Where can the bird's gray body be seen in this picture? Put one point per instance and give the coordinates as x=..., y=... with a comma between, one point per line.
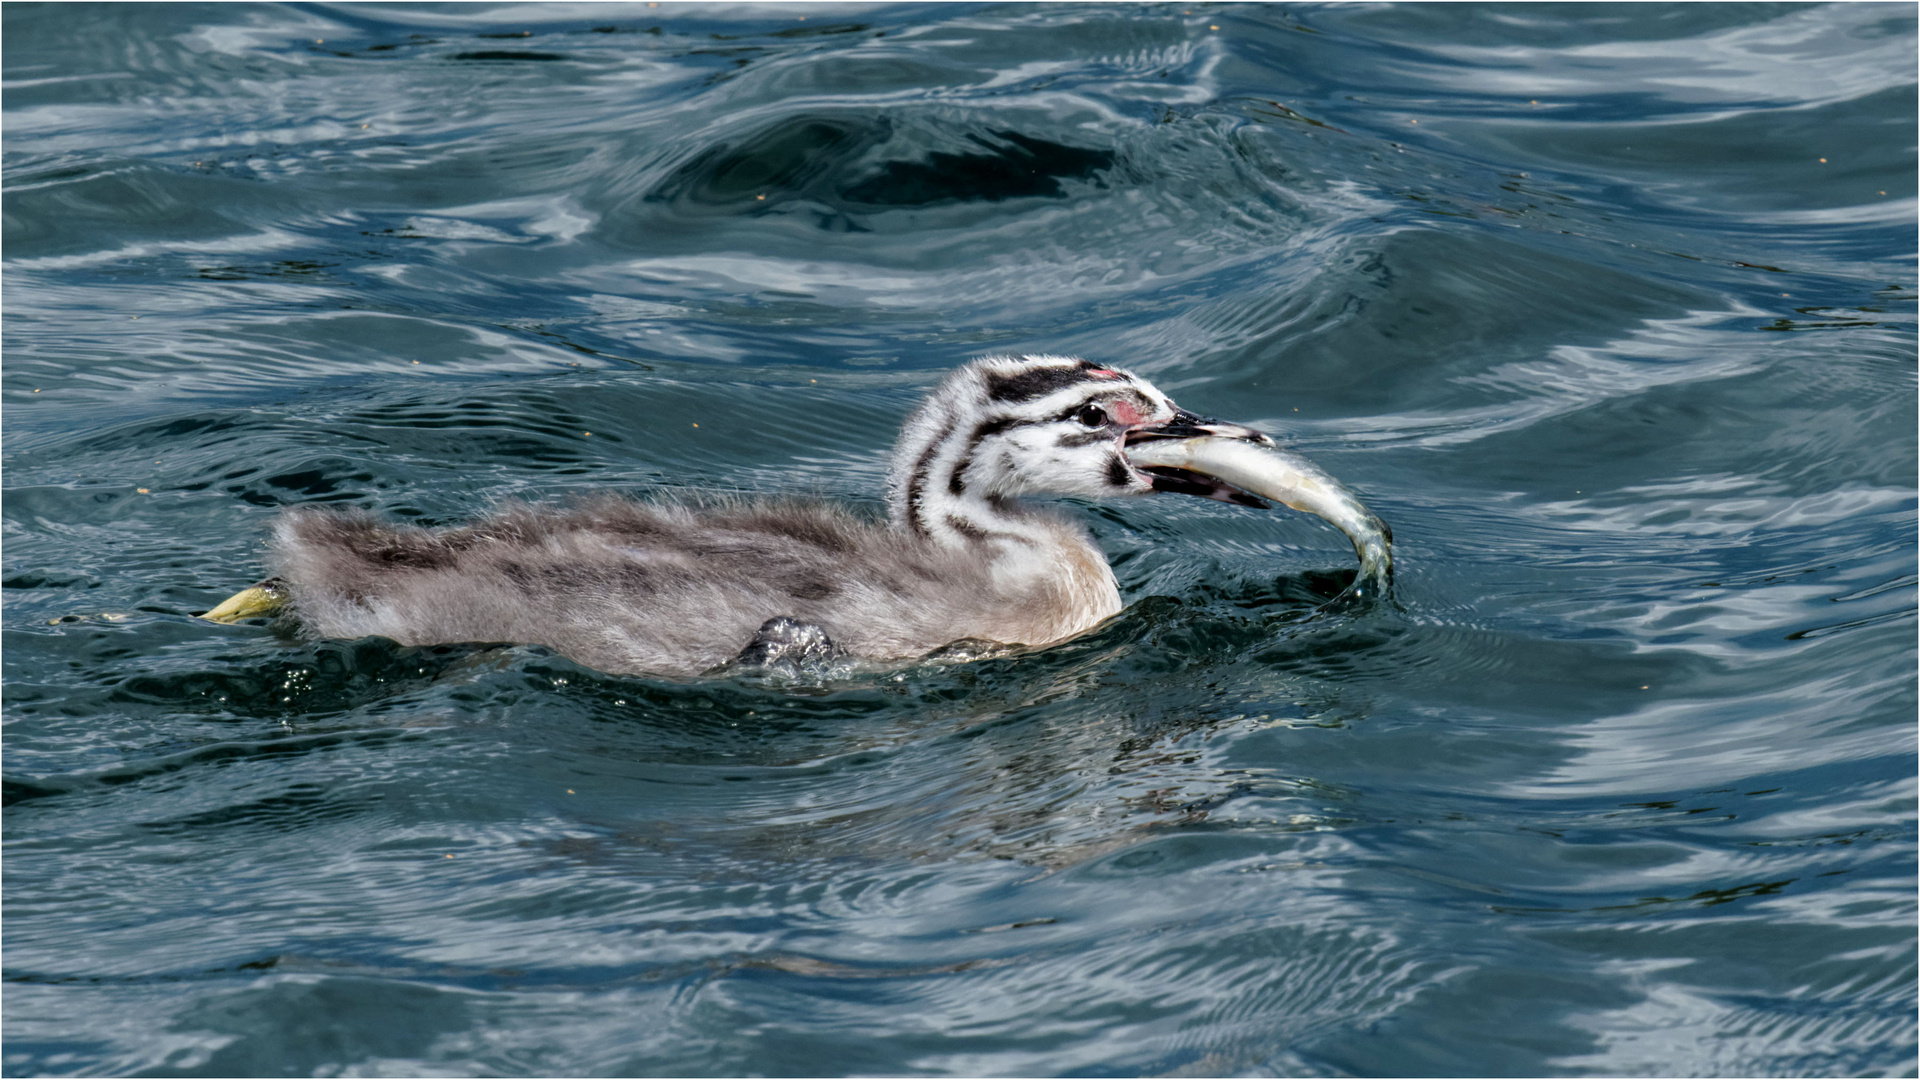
x=677, y=589
x=671, y=589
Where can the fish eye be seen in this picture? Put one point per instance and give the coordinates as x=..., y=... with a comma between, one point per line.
x=1092, y=416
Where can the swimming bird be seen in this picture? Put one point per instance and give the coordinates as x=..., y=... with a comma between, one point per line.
x=683, y=588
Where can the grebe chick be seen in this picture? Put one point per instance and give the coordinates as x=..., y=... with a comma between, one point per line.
x=679, y=589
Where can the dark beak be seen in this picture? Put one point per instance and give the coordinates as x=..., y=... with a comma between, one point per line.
x=1186, y=425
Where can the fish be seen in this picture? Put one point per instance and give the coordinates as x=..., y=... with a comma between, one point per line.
x=1269, y=472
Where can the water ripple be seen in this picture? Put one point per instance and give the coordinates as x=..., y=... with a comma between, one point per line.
x=1609, y=314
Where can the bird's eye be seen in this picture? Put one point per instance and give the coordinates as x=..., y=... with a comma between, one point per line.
x=1092, y=416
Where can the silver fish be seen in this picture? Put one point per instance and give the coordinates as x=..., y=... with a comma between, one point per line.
x=1272, y=473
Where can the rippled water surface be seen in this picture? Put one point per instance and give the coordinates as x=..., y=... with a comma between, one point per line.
x=1608, y=310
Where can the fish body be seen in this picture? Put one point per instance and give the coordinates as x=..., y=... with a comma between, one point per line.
x=1284, y=477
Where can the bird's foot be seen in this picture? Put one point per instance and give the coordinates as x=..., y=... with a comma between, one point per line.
x=786, y=645
x=966, y=651
x=265, y=598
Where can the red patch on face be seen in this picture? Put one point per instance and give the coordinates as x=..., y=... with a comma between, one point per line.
x=1127, y=413
x=1102, y=373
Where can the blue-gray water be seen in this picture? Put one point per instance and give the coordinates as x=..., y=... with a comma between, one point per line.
x=1609, y=311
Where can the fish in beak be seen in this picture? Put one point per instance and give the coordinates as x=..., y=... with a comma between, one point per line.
x=1181, y=480
x=1191, y=455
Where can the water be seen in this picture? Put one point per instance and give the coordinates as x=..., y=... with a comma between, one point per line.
x=1609, y=311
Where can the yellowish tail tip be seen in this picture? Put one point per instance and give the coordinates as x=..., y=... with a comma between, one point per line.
x=264, y=599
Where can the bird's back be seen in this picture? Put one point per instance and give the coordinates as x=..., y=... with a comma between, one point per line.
x=670, y=589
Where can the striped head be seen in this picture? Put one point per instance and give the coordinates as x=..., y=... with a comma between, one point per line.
x=1004, y=427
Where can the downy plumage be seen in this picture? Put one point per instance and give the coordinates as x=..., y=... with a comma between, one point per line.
x=678, y=589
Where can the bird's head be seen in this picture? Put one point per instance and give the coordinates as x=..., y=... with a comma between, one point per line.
x=1004, y=427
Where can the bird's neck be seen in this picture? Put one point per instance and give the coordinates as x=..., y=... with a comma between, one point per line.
x=1023, y=546
x=935, y=493
x=1029, y=551
x=962, y=521
x=929, y=491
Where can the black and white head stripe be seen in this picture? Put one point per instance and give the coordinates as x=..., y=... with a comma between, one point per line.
x=1035, y=377
x=1007, y=426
